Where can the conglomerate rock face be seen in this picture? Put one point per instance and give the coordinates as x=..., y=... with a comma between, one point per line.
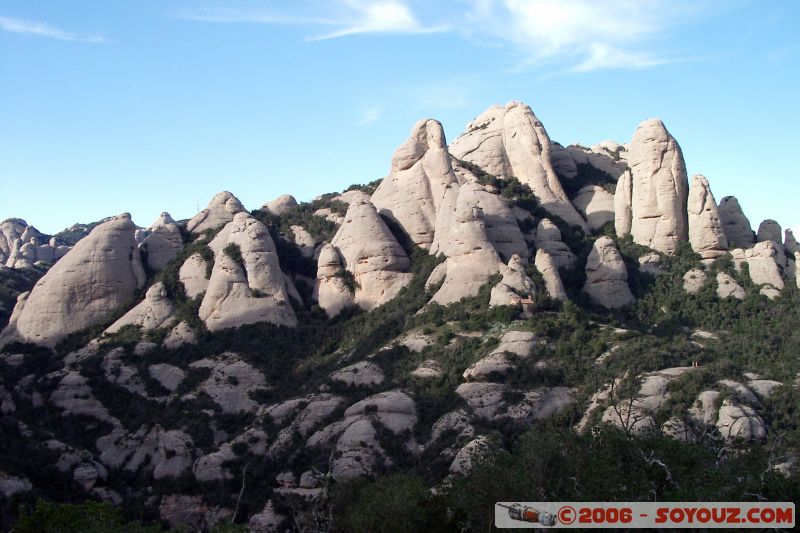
x=706, y=234
x=606, y=275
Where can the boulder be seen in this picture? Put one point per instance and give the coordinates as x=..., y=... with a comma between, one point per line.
x=370, y=252
x=706, y=234
x=179, y=335
x=548, y=238
x=790, y=243
x=769, y=230
x=510, y=141
x=739, y=421
x=606, y=275
x=427, y=369
x=154, y=312
x=247, y=292
x=485, y=399
x=413, y=191
x=74, y=396
x=519, y=343
x=515, y=286
x=762, y=263
x=231, y=382
x=470, y=455
x=193, y=275
x=280, y=205
x=548, y=268
x=596, y=205
x=471, y=258
x=660, y=188
x=169, y=376
x=694, y=280
x=728, y=288
x=304, y=240
x=737, y=228
x=163, y=243
x=220, y=211
x=359, y=374
x=97, y=277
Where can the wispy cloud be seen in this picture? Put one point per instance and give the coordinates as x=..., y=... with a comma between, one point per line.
x=586, y=35
x=370, y=115
x=346, y=17
x=41, y=29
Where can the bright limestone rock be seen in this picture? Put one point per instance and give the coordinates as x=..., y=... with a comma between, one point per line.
x=515, y=285
x=737, y=227
x=163, y=243
x=606, y=275
x=510, y=141
x=220, y=210
x=694, y=280
x=193, y=275
x=281, y=204
x=99, y=275
x=548, y=268
x=660, y=188
x=471, y=258
x=596, y=205
x=623, y=204
x=154, y=312
x=253, y=291
x=331, y=291
x=706, y=234
x=762, y=262
x=548, y=238
x=413, y=191
x=728, y=288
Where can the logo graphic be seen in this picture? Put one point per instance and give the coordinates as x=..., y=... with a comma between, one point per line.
x=522, y=513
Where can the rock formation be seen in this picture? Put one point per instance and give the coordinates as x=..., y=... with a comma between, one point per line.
x=706, y=234
x=728, y=288
x=548, y=238
x=371, y=254
x=737, y=227
x=253, y=290
x=548, y=268
x=220, y=211
x=331, y=290
x=789, y=242
x=762, y=263
x=515, y=285
x=659, y=189
x=562, y=161
x=596, y=205
x=510, y=141
x=163, y=243
x=769, y=230
x=155, y=311
x=471, y=258
x=694, y=280
x=606, y=275
x=623, y=202
x=607, y=156
x=280, y=205
x=194, y=275
x=99, y=275
x=412, y=193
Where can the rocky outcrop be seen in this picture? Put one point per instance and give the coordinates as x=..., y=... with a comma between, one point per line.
x=97, y=277
x=769, y=230
x=728, y=288
x=247, y=284
x=231, y=382
x=548, y=238
x=510, y=141
x=659, y=189
x=694, y=280
x=179, y=335
x=548, y=268
x=596, y=205
x=790, y=242
x=363, y=373
x=735, y=224
x=280, y=205
x=762, y=263
x=413, y=191
x=706, y=234
x=562, y=161
x=518, y=343
x=194, y=275
x=607, y=156
x=331, y=290
x=304, y=240
x=623, y=204
x=606, y=275
x=515, y=286
x=219, y=212
x=154, y=312
x=369, y=252
x=471, y=258
x=163, y=243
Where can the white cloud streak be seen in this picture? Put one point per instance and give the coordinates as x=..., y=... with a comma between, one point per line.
x=370, y=115
x=40, y=29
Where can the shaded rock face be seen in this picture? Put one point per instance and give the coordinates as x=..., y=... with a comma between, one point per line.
x=510, y=141
x=790, y=242
x=607, y=156
x=769, y=230
x=220, y=210
x=735, y=224
x=99, y=275
x=596, y=205
x=471, y=258
x=163, y=243
x=548, y=268
x=606, y=275
x=367, y=249
x=155, y=311
x=706, y=234
x=413, y=191
x=728, y=288
x=254, y=291
x=562, y=161
x=281, y=204
x=231, y=382
x=659, y=189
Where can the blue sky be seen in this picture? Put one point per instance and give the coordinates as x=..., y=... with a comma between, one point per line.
x=112, y=106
